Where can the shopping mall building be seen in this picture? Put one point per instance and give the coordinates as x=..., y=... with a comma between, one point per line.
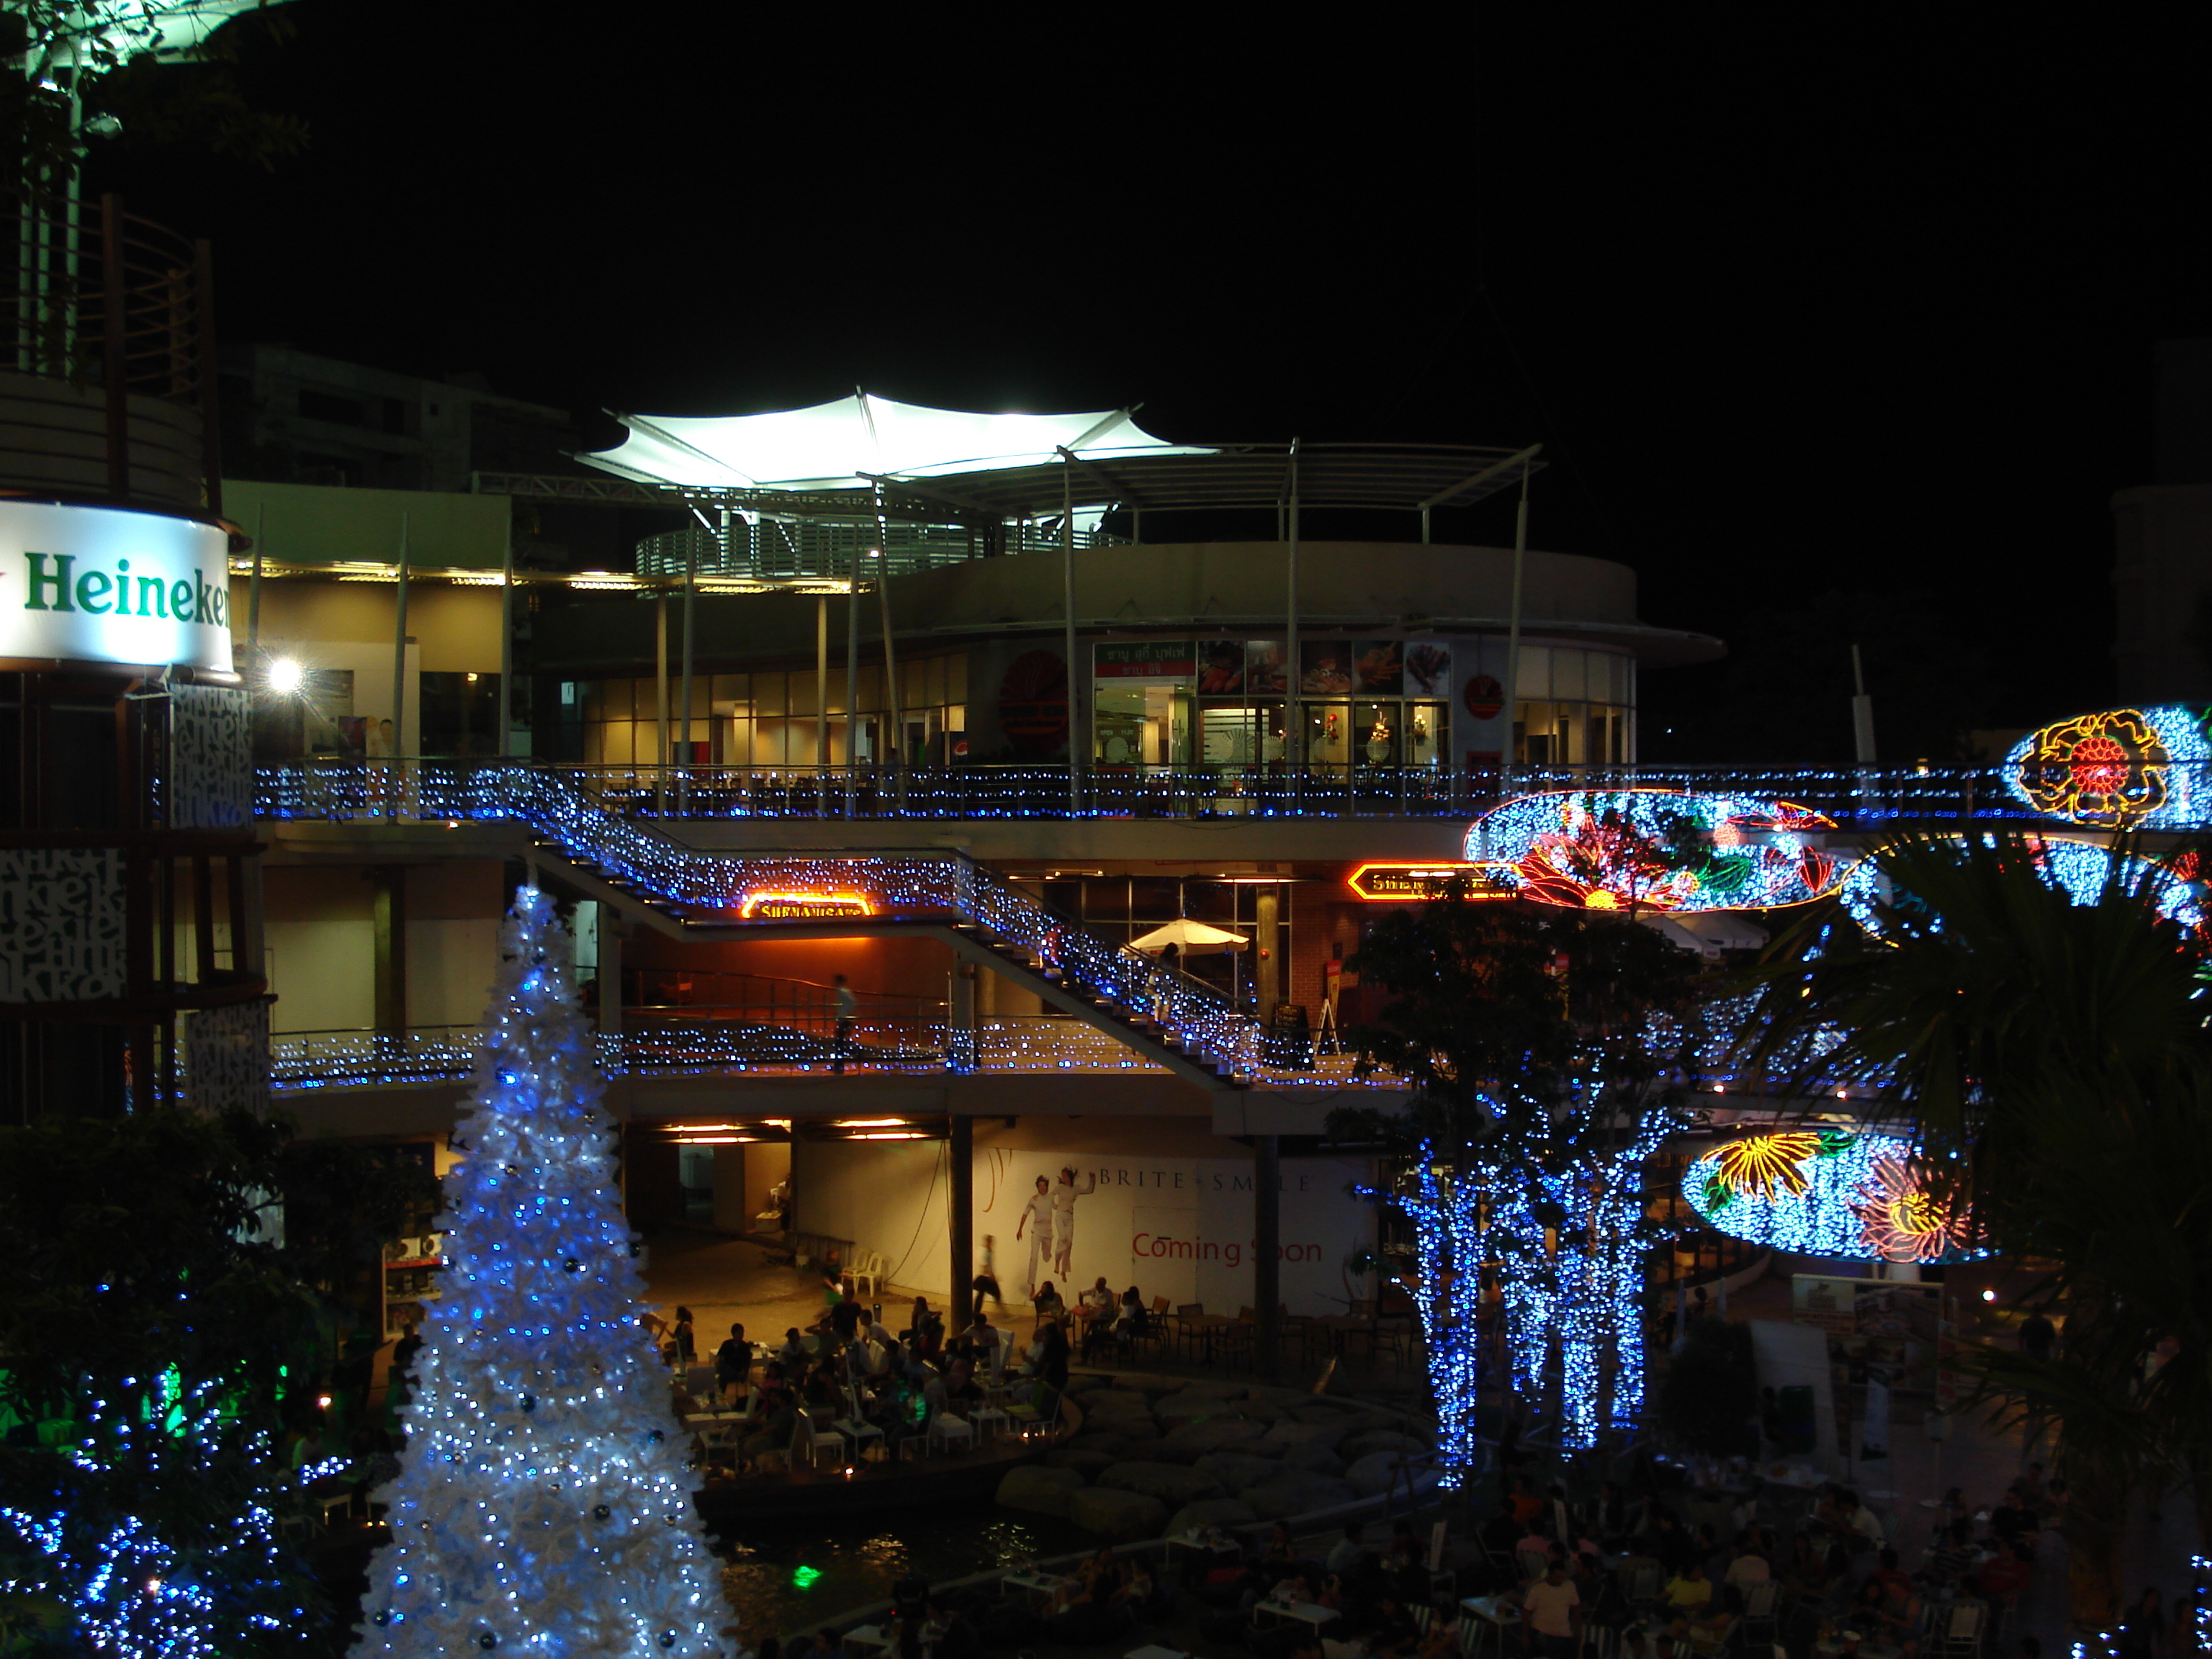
x=956, y=706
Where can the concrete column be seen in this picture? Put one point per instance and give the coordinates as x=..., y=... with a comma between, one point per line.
x=390, y=968
x=961, y=1208
x=1268, y=962
x=611, y=970
x=1267, y=1254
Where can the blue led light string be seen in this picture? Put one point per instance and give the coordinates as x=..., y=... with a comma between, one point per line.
x=1445, y=1209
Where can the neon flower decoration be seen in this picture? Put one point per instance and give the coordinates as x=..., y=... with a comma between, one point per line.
x=1657, y=850
x=2124, y=769
x=1859, y=1197
x=2083, y=870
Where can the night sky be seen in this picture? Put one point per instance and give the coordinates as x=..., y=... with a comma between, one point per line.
x=1833, y=327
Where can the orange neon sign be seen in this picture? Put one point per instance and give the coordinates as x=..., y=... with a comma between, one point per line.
x=1403, y=884
x=804, y=907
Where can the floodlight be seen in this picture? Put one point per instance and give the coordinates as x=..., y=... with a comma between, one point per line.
x=286, y=677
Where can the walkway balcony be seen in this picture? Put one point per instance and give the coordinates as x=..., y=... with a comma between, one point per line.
x=1856, y=797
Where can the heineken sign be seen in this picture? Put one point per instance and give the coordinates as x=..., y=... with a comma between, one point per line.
x=101, y=584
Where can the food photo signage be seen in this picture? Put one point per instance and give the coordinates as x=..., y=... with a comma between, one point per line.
x=100, y=584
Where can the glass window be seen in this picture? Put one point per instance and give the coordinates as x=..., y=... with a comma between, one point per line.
x=955, y=677
x=1106, y=899
x=731, y=688
x=1570, y=681
x=613, y=700
x=802, y=693
x=769, y=694
x=1427, y=740
x=1154, y=899
x=1327, y=728
x=738, y=741
x=1375, y=741
x=615, y=743
x=1535, y=671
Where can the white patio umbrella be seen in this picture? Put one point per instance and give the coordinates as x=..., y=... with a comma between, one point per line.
x=1189, y=937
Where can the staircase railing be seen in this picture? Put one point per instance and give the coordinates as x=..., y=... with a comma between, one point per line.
x=934, y=883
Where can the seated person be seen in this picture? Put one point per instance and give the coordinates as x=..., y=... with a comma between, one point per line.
x=1710, y=1632
x=1689, y=1591
x=1093, y=1585
x=2012, y=1520
x=2032, y=1492
x=1952, y=1556
x=1345, y=1550
x=1552, y=1613
x=794, y=1352
x=2006, y=1576
x=777, y=1425
x=1526, y=1505
x=1885, y=1571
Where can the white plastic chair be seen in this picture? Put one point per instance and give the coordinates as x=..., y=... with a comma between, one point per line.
x=948, y=1430
x=868, y=1273
x=856, y=1428
x=822, y=1440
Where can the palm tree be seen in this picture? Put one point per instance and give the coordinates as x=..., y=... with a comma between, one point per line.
x=2055, y=1060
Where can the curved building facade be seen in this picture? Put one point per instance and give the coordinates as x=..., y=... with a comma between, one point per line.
x=1183, y=659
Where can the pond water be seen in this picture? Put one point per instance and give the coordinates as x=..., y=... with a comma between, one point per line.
x=782, y=1578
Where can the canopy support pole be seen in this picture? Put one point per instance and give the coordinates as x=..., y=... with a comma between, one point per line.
x=822, y=687
x=660, y=699
x=1068, y=606
x=1513, y=629
x=1295, y=747
x=690, y=593
x=506, y=639
x=400, y=659
x=852, y=674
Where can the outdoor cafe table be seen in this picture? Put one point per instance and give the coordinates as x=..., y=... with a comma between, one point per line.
x=1306, y=1613
x=1497, y=1614
x=1041, y=1584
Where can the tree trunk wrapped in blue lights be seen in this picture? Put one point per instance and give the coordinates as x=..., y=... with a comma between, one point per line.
x=1549, y=1052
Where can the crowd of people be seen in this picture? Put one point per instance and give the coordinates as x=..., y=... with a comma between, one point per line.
x=850, y=1366
x=1836, y=1577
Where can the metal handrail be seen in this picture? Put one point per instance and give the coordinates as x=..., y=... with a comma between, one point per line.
x=935, y=883
x=1863, y=797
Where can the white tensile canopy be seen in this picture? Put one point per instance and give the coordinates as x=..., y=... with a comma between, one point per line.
x=839, y=444
x=1189, y=937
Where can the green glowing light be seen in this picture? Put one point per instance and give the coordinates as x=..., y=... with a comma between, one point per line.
x=804, y=1577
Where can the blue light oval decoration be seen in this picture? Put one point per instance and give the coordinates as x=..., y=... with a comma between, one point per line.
x=2121, y=768
x=2082, y=870
x=1657, y=850
x=1829, y=1192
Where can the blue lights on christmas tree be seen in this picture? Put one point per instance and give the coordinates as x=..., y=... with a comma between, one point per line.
x=543, y=1505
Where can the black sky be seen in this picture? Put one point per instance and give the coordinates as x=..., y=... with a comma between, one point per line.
x=1799, y=303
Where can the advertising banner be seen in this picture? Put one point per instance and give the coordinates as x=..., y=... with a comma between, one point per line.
x=1180, y=1228
x=101, y=584
x=1146, y=659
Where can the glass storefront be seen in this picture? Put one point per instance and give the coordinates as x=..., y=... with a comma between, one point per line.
x=1576, y=708
x=767, y=718
x=1224, y=703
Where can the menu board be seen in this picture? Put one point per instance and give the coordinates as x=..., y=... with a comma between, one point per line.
x=1146, y=659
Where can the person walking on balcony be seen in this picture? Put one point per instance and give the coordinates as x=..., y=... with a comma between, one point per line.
x=1063, y=1216
x=1036, y=1220
x=848, y=1007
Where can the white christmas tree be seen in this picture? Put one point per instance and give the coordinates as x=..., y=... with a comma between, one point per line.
x=542, y=1506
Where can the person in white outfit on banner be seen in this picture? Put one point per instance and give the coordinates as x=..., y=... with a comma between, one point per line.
x=1036, y=1219
x=1063, y=1216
